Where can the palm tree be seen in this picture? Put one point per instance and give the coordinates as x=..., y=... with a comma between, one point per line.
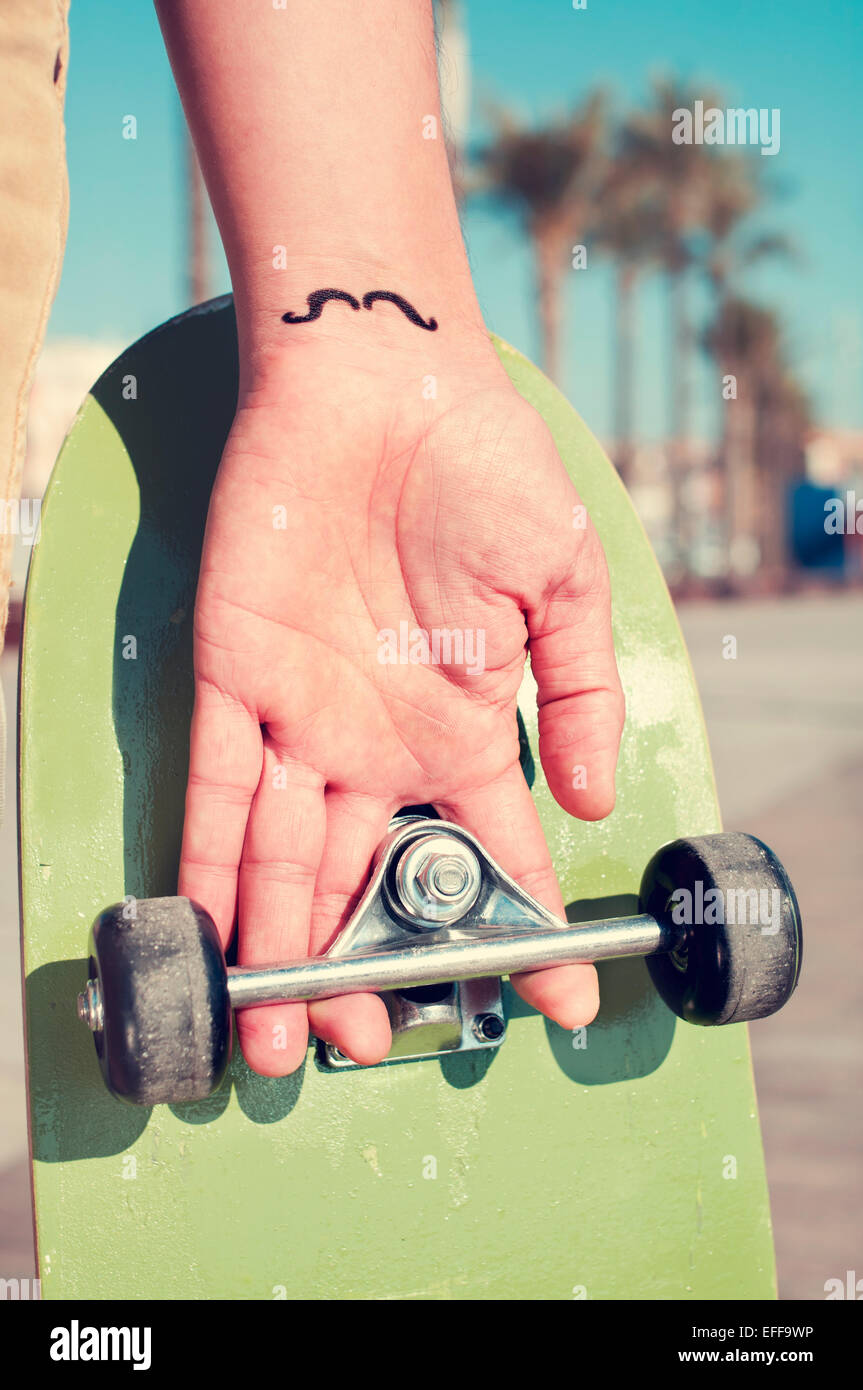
x=629, y=228
x=550, y=177
x=746, y=342
x=737, y=189
x=784, y=421
x=683, y=174
x=766, y=421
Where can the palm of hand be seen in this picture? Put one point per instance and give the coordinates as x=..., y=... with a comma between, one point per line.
x=367, y=590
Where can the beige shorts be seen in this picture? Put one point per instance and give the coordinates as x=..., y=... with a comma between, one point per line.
x=34, y=203
x=34, y=210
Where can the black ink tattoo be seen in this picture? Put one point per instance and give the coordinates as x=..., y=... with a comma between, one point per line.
x=407, y=309
x=316, y=301
x=318, y=298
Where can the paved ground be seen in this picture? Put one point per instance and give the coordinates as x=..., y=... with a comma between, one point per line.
x=786, y=725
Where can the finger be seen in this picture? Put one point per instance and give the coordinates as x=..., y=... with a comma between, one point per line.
x=504, y=819
x=224, y=768
x=284, y=840
x=580, y=699
x=357, y=1024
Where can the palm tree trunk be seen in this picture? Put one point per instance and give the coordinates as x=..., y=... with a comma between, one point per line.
x=771, y=454
x=549, y=275
x=624, y=369
x=680, y=344
x=740, y=481
x=681, y=339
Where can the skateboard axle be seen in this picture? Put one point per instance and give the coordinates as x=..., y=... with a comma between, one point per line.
x=488, y=952
x=450, y=956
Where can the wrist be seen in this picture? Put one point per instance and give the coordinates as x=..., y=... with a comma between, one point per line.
x=318, y=315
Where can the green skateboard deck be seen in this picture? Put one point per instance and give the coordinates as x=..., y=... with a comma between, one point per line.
x=623, y=1162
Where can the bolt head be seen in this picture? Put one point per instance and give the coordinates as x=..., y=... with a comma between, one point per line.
x=438, y=879
x=443, y=876
x=488, y=1027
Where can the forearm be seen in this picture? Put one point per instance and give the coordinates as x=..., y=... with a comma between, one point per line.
x=310, y=124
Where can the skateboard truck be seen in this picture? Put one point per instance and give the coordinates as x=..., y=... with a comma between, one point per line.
x=437, y=926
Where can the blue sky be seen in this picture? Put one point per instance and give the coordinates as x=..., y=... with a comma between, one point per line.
x=124, y=262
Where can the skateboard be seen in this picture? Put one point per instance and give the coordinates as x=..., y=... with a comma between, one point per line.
x=495, y=1155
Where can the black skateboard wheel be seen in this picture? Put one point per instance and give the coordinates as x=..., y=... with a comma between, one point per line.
x=743, y=945
x=166, y=1015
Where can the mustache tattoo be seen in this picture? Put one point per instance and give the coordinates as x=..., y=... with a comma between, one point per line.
x=407, y=309
x=318, y=298
x=316, y=301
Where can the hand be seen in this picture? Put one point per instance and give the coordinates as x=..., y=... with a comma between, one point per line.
x=345, y=505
